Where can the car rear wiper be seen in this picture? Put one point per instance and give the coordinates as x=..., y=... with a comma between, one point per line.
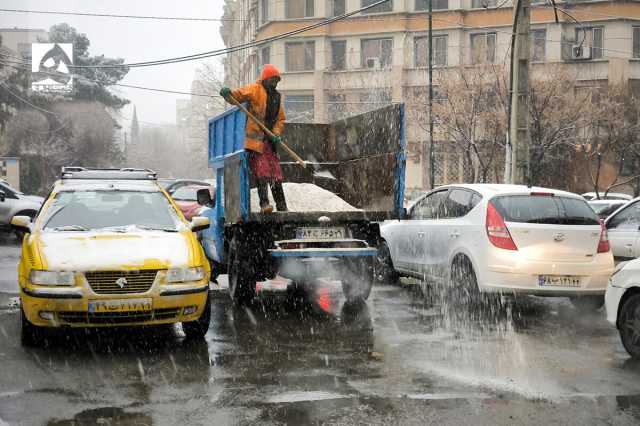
x=71, y=228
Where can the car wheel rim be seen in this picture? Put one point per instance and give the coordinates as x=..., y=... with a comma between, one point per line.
x=631, y=327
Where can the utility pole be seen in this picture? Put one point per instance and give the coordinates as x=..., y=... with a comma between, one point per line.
x=432, y=173
x=519, y=136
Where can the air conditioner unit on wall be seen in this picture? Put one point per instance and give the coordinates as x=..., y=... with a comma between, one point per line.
x=580, y=52
x=373, y=63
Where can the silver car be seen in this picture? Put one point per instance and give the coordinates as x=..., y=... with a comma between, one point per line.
x=15, y=203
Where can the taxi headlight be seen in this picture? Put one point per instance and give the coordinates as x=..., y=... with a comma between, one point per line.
x=179, y=275
x=52, y=278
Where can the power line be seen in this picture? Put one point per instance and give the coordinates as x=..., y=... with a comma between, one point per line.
x=26, y=102
x=232, y=49
x=109, y=15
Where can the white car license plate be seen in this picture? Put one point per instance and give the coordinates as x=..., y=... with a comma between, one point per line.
x=120, y=305
x=320, y=233
x=559, y=281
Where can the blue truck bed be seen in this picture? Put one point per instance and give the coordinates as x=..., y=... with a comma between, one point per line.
x=362, y=161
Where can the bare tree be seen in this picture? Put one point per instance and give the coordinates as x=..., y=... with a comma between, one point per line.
x=557, y=118
x=470, y=114
x=612, y=139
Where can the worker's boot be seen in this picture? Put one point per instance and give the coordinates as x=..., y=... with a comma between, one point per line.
x=278, y=196
x=263, y=196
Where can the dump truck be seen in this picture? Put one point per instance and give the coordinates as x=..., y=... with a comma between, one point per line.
x=356, y=165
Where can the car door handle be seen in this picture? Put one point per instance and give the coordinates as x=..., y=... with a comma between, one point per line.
x=454, y=234
x=420, y=234
x=629, y=245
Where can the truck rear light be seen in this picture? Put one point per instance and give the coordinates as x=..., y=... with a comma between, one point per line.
x=497, y=230
x=292, y=246
x=603, y=244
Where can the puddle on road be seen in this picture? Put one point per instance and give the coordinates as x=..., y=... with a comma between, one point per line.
x=304, y=396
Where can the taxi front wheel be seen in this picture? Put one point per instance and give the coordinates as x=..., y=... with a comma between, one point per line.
x=30, y=335
x=198, y=328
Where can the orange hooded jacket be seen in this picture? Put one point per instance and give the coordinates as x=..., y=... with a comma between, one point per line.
x=256, y=95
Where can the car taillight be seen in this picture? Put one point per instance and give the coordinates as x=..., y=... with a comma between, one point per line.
x=497, y=230
x=603, y=244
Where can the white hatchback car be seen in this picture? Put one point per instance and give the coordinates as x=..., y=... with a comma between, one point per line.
x=507, y=239
x=623, y=228
x=622, y=301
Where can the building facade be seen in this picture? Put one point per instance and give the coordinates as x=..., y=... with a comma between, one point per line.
x=380, y=56
x=19, y=40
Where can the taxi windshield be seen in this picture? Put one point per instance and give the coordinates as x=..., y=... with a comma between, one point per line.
x=110, y=210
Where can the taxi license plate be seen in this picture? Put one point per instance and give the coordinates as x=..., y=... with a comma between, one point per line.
x=120, y=305
x=559, y=281
x=320, y=233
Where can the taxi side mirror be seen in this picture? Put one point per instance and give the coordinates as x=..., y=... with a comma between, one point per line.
x=199, y=223
x=204, y=198
x=3, y=196
x=22, y=223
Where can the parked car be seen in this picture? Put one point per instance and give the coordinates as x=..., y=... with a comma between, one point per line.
x=623, y=304
x=609, y=196
x=186, y=198
x=109, y=249
x=506, y=239
x=623, y=228
x=604, y=208
x=15, y=203
x=179, y=183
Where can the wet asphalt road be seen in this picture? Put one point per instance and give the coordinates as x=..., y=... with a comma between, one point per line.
x=395, y=360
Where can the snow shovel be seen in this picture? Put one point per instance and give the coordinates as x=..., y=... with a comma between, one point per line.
x=268, y=132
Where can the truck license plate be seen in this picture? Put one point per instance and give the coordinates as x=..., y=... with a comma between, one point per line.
x=320, y=233
x=559, y=281
x=120, y=305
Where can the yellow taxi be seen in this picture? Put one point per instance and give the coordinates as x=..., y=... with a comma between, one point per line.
x=110, y=248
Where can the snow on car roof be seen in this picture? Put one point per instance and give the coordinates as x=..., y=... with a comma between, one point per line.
x=106, y=185
x=490, y=189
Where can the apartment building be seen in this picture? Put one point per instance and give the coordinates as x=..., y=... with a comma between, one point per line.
x=380, y=56
x=19, y=40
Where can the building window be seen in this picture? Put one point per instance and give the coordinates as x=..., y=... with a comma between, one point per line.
x=377, y=53
x=478, y=4
x=265, y=57
x=264, y=11
x=374, y=99
x=483, y=48
x=300, y=8
x=384, y=7
x=338, y=55
x=338, y=8
x=437, y=4
x=592, y=37
x=337, y=107
x=636, y=42
x=299, y=108
x=538, y=45
x=300, y=56
x=421, y=51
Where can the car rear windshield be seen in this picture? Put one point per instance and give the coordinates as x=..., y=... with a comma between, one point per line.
x=545, y=209
x=110, y=210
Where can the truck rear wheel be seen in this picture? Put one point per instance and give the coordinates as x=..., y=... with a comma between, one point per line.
x=357, y=279
x=242, y=283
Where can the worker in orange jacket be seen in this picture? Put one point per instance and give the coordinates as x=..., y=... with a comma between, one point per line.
x=265, y=104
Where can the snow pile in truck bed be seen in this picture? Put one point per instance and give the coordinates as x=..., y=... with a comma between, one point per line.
x=306, y=197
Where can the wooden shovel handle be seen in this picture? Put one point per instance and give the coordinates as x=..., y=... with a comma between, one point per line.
x=268, y=132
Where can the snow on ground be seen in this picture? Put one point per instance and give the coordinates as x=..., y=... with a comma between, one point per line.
x=306, y=197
